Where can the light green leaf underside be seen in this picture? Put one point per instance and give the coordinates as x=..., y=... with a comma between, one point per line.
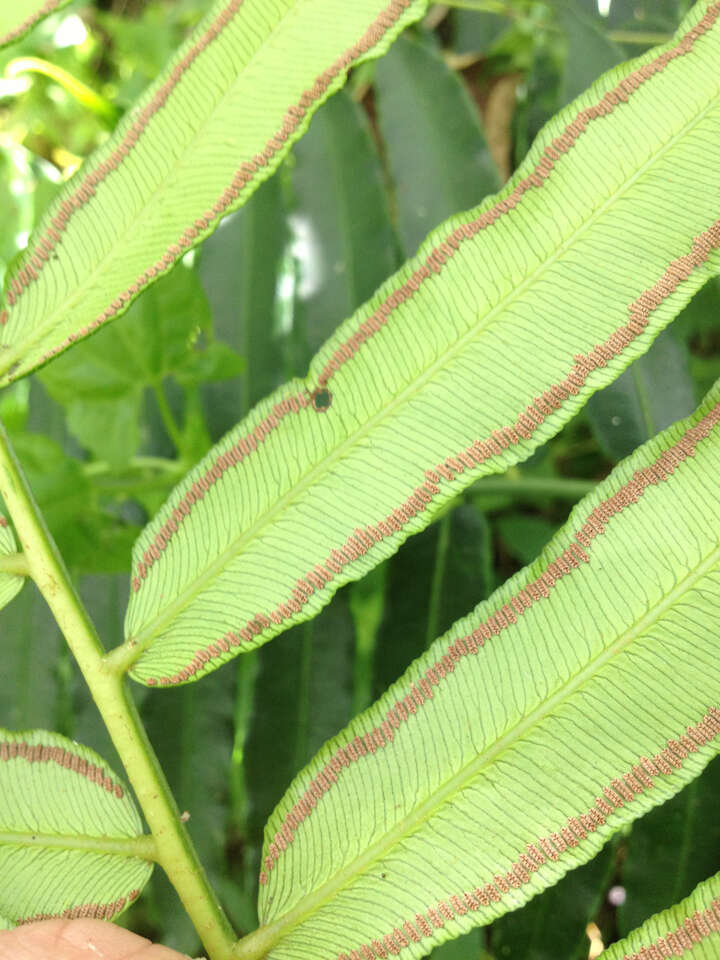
x=497, y=327
x=10, y=584
x=489, y=752
x=178, y=161
x=71, y=839
x=20, y=16
x=690, y=929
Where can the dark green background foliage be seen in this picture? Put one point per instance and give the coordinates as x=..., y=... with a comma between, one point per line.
x=106, y=431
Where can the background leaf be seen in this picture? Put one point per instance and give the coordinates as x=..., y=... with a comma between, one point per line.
x=655, y=391
x=343, y=245
x=437, y=155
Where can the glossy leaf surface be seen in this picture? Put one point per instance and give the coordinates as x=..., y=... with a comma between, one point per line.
x=70, y=835
x=563, y=707
x=463, y=363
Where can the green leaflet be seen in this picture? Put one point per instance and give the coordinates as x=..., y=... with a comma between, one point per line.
x=20, y=16
x=214, y=125
x=580, y=695
x=71, y=841
x=690, y=929
x=10, y=583
x=468, y=358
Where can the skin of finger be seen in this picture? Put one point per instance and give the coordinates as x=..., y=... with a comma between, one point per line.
x=79, y=940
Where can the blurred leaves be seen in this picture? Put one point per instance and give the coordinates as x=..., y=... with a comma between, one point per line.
x=167, y=332
x=436, y=151
x=343, y=243
x=655, y=391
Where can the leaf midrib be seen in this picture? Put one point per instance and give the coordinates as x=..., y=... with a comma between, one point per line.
x=409, y=824
x=140, y=847
x=145, y=636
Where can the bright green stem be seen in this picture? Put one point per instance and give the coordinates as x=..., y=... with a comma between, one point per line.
x=169, y=422
x=99, y=468
x=175, y=851
x=15, y=563
x=76, y=88
x=516, y=484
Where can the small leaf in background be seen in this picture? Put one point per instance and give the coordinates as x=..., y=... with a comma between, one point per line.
x=10, y=584
x=474, y=31
x=239, y=267
x=31, y=689
x=71, y=840
x=590, y=51
x=435, y=578
x=698, y=327
x=552, y=926
x=438, y=159
x=343, y=241
x=655, y=391
x=671, y=850
x=103, y=396
x=524, y=536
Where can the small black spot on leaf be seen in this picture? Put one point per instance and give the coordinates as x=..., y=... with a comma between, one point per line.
x=321, y=399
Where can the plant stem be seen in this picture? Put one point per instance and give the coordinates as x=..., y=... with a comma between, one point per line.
x=159, y=464
x=76, y=88
x=16, y=564
x=516, y=484
x=176, y=853
x=169, y=421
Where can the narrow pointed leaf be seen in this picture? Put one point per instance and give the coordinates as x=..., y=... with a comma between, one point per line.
x=341, y=219
x=581, y=694
x=239, y=269
x=690, y=929
x=438, y=158
x=213, y=126
x=20, y=16
x=71, y=842
x=10, y=583
x=651, y=394
x=464, y=362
